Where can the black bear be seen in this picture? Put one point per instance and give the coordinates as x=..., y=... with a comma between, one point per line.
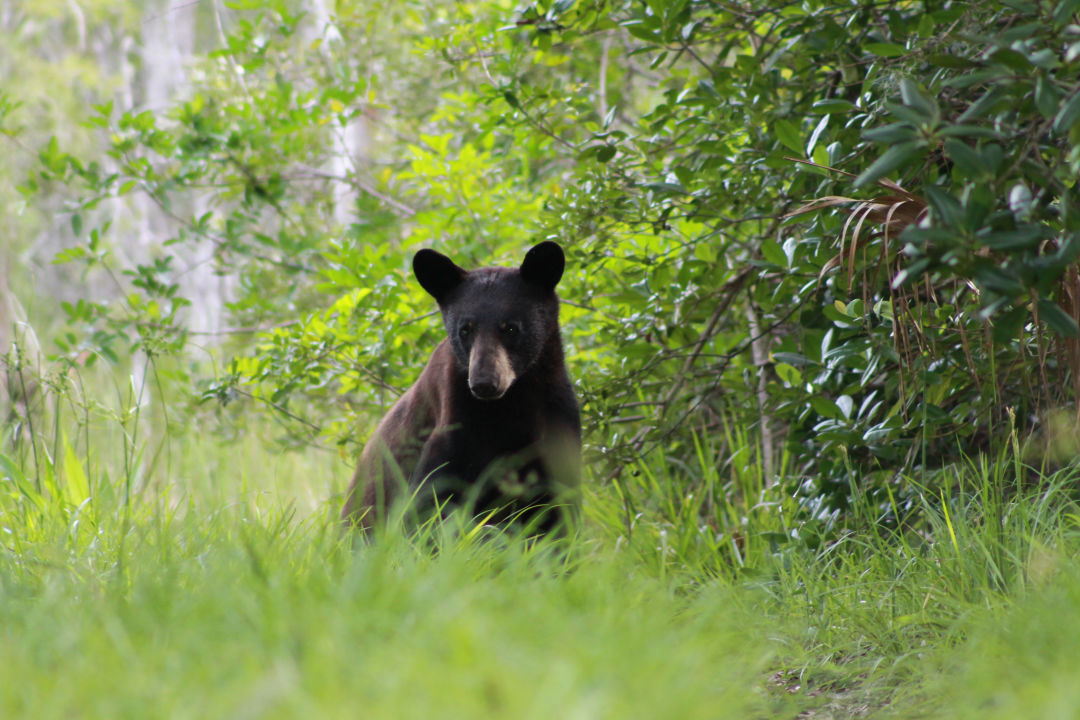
x=492, y=423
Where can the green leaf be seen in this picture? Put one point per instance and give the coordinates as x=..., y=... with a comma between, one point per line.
x=791, y=358
x=969, y=131
x=772, y=252
x=911, y=115
x=1046, y=97
x=65, y=256
x=950, y=61
x=999, y=280
x=789, y=134
x=1011, y=59
x=1002, y=240
x=1068, y=115
x=1064, y=11
x=892, y=133
x=965, y=158
x=1058, y=320
x=76, y=484
x=986, y=102
x=911, y=272
x=946, y=209
x=638, y=29
x=1070, y=248
x=885, y=50
x=10, y=471
x=997, y=73
x=788, y=374
x=834, y=105
x=1044, y=58
x=893, y=158
x=820, y=128
x=826, y=408
x=918, y=99
x=1007, y=325
x=1073, y=52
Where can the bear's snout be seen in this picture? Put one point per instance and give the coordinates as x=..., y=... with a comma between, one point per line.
x=490, y=371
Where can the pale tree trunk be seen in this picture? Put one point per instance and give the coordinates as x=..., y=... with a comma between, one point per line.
x=352, y=142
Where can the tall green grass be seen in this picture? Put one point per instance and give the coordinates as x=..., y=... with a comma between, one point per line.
x=153, y=575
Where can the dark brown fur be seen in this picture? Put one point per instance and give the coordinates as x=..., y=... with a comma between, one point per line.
x=492, y=423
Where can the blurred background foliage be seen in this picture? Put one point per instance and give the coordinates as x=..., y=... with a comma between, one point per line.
x=838, y=236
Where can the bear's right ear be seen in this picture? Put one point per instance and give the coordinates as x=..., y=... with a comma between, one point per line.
x=437, y=273
x=543, y=265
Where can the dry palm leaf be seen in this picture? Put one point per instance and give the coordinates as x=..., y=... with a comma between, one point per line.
x=891, y=213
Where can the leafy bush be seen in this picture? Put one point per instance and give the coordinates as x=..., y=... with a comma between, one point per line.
x=676, y=148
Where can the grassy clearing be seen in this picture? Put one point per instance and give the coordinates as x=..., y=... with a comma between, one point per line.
x=221, y=588
x=241, y=613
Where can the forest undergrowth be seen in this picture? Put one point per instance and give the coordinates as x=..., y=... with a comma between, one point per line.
x=200, y=576
x=821, y=307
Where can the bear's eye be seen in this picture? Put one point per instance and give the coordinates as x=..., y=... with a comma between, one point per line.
x=465, y=331
x=509, y=329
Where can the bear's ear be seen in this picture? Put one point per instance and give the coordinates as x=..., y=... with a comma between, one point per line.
x=437, y=273
x=543, y=265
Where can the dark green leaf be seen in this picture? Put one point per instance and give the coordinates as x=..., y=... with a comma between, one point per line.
x=791, y=358
x=911, y=115
x=1068, y=115
x=993, y=74
x=986, y=102
x=998, y=280
x=1001, y=240
x=771, y=251
x=946, y=209
x=1007, y=325
x=917, y=98
x=893, y=158
x=965, y=158
x=950, y=61
x=891, y=133
x=969, y=131
x=641, y=32
x=1011, y=59
x=834, y=105
x=1070, y=248
x=1059, y=320
x=1046, y=97
x=911, y=272
x=826, y=408
x=789, y=134
x=886, y=50
x=1064, y=11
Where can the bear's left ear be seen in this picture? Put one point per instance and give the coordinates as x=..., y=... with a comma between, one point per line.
x=543, y=265
x=437, y=273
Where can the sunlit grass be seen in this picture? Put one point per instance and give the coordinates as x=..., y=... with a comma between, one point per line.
x=248, y=613
x=206, y=577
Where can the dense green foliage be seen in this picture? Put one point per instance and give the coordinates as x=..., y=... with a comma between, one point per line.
x=823, y=266
x=230, y=593
x=666, y=146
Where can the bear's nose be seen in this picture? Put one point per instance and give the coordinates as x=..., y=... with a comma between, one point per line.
x=485, y=390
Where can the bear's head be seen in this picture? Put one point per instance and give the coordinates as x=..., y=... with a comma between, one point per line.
x=500, y=321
